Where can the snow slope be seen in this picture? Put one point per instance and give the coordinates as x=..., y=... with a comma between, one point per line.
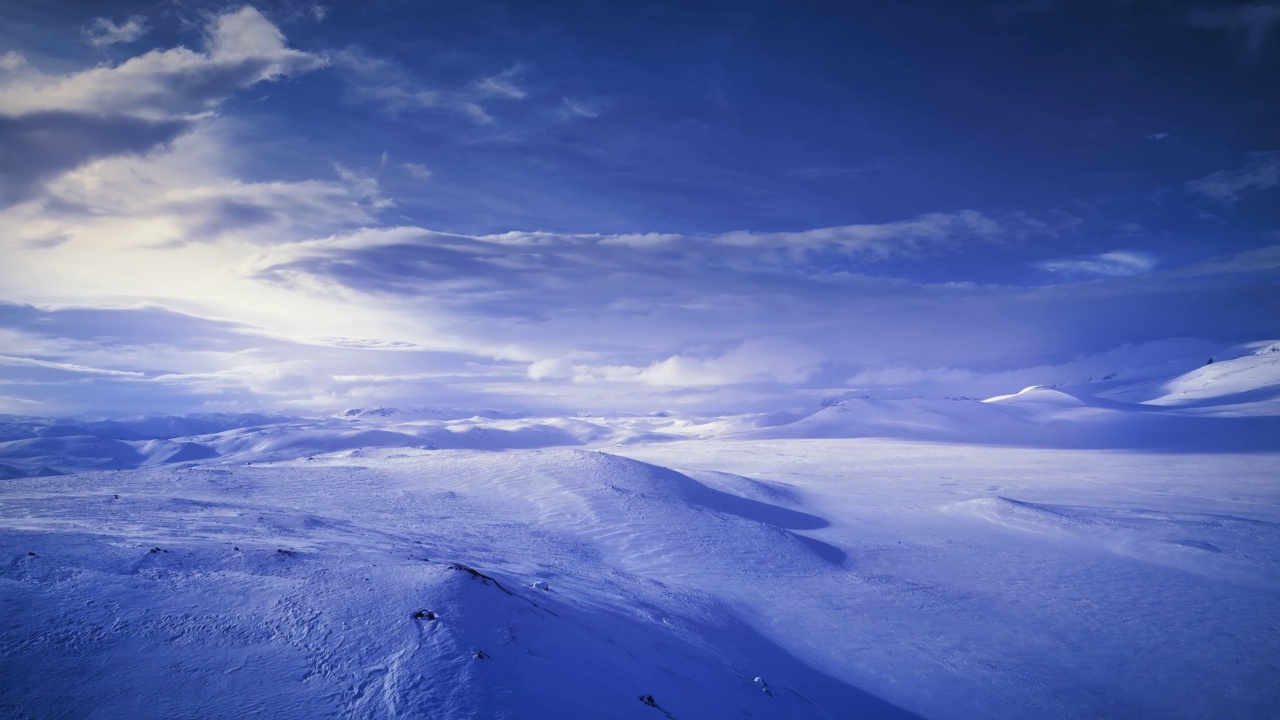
x=1232, y=404
x=1057, y=552
x=856, y=578
x=1242, y=379
x=998, y=582
x=559, y=584
x=32, y=443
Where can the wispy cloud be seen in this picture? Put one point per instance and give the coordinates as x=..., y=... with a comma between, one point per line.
x=409, y=316
x=12, y=62
x=497, y=275
x=183, y=195
x=382, y=82
x=1262, y=172
x=242, y=48
x=65, y=367
x=1252, y=23
x=1257, y=261
x=589, y=108
x=927, y=233
x=58, y=122
x=155, y=275
x=756, y=360
x=417, y=171
x=147, y=358
x=364, y=187
x=396, y=91
x=102, y=32
x=1117, y=263
x=501, y=85
x=819, y=173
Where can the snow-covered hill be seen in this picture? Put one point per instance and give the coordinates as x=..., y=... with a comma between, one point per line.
x=1242, y=379
x=450, y=585
x=854, y=578
x=1057, y=552
x=1231, y=404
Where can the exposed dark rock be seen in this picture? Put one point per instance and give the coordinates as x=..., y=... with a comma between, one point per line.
x=479, y=576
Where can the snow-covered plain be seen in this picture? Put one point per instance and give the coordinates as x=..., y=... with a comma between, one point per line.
x=1098, y=550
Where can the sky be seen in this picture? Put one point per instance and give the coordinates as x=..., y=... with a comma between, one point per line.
x=604, y=207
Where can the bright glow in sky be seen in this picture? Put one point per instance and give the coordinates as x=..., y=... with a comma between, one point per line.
x=591, y=207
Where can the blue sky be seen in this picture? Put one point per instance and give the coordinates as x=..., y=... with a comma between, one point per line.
x=575, y=206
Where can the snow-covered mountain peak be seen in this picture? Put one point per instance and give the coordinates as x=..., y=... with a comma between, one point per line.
x=1243, y=378
x=1038, y=394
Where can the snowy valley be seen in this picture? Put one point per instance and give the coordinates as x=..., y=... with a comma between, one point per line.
x=1104, y=549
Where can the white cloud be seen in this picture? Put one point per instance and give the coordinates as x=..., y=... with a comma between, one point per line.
x=767, y=360
x=416, y=171
x=246, y=35
x=501, y=85
x=182, y=194
x=130, y=152
x=12, y=61
x=1118, y=263
x=65, y=367
x=384, y=83
x=241, y=48
x=581, y=107
x=294, y=293
x=1262, y=172
x=929, y=232
x=551, y=368
x=363, y=186
x=405, y=315
x=397, y=91
x=102, y=32
x=171, y=227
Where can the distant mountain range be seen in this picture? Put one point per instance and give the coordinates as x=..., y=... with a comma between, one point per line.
x=1232, y=403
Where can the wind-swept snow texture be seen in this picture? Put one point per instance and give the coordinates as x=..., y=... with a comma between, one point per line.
x=436, y=585
x=1062, y=552
x=983, y=581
